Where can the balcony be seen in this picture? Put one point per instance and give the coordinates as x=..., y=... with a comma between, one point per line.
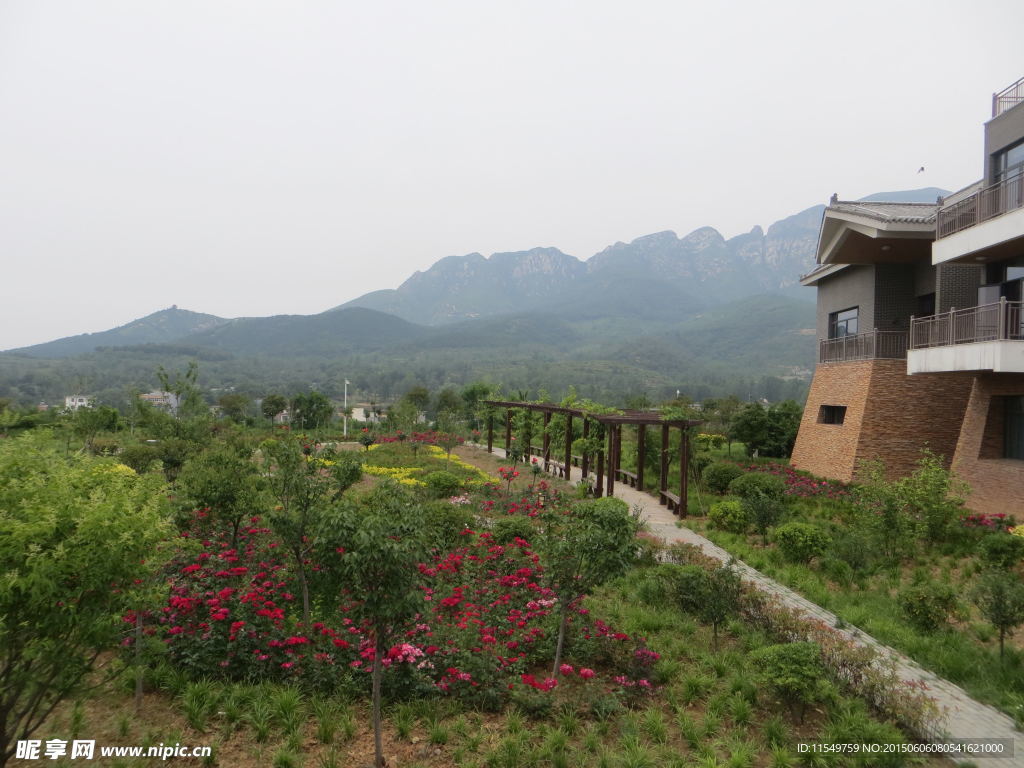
x=873, y=345
x=989, y=337
x=1008, y=98
x=988, y=221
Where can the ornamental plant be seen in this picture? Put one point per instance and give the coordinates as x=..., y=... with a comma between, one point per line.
x=729, y=516
x=717, y=476
x=801, y=542
x=1000, y=598
x=928, y=604
x=75, y=534
x=793, y=672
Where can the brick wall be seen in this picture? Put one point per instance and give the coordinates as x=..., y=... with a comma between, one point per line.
x=895, y=298
x=997, y=484
x=957, y=286
x=889, y=416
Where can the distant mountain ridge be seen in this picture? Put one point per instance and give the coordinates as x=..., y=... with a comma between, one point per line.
x=660, y=287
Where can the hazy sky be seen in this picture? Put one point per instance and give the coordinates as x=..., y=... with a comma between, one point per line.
x=259, y=158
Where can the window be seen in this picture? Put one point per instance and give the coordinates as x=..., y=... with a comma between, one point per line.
x=832, y=414
x=1013, y=427
x=1008, y=162
x=843, y=323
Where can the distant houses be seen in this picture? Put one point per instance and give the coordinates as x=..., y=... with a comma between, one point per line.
x=165, y=401
x=74, y=402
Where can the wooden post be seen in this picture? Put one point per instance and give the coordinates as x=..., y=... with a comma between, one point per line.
x=599, y=485
x=585, y=467
x=568, y=446
x=508, y=431
x=641, y=454
x=684, y=466
x=612, y=462
x=547, y=441
x=663, y=474
x=490, y=433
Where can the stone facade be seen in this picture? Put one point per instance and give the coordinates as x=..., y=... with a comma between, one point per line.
x=889, y=416
x=997, y=484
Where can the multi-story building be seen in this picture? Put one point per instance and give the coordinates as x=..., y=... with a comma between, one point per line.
x=921, y=329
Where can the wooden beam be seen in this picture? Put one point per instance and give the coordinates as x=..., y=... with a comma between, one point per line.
x=663, y=474
x=568, y=446
x=611, y=460
x=508, y=431
x=490, y=433
x=547, y=441
x=684, y=467
x=641, y=454
x=599, y=485
x=586, y=456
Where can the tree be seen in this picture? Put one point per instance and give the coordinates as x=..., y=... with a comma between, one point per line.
x=272, y=405
x=473, y=396
x=74, y=534
x=370, y=557
x=419, y=397
x=311, y=410
x=1000, y=598
x=595, y=542
x=234, y=405
x=794, y=672
x=87, y=423
x=721, y=598
x=769, y=431
x=227, y=481
x=448, y=402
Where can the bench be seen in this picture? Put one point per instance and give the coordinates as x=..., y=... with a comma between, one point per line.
x=626, y=477
x=671, y=501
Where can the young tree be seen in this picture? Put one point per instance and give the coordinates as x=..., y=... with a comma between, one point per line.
x=369, y=567
x=311, y=410
x=228, y=481
x=1000, y=598
x=721, y=598
x=73, y=537
x=595, y=542
x=272, y=405
x=235, y=405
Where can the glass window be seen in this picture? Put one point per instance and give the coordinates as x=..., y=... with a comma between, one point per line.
x=1013, y=428
x=1009, y=162
x=832, y=414
x=843, y=323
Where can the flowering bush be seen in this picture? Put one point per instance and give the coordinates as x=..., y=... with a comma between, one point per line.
x=802, y=485
x=995, y=521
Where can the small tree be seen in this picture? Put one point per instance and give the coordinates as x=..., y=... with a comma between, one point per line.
x=272, y=405
x=794, y=672
x=595, y=542
x=227, y=481
x=369, y=557
x=721, y=598
x=74, y=535
x=1000, y=598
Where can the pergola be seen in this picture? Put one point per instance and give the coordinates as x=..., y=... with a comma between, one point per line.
x=608, y=459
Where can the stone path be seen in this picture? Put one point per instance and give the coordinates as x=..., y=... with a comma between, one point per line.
x=964, y=717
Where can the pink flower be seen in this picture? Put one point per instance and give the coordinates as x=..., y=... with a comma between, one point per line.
x=586, y=673
x=566, y=669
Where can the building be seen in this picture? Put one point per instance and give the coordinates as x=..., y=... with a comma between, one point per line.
x=921, y=329
x=74, y=402
x=165, y=401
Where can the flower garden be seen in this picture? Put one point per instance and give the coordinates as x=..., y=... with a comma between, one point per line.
x=508, y=621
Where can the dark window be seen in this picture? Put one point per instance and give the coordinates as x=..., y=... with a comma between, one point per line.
x=843, y=323
x=832, y=414
x=1013, y=427
x=925, y=305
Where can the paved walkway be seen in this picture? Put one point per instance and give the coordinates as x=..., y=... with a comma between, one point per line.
x=964, y=717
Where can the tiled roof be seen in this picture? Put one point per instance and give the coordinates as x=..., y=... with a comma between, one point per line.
x=900, y=213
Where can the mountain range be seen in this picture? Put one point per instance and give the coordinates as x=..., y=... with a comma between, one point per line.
x=662, y=304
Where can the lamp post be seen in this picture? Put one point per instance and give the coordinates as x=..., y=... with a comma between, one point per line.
x=345, y=412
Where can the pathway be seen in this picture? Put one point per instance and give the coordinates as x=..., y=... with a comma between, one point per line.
x=964, y=717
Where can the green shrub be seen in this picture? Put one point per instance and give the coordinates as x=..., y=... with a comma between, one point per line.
x=927, y=605
x=838, y=571
x=717, y=476
x=138, y=457
x=1001, y=550
x=793, y=672
x=729, y=516
x=604, y=503
x=506, y=529
x=446, y=522
x=801, y=542
x=687, y=586
x=758, y=483
x=442, y=484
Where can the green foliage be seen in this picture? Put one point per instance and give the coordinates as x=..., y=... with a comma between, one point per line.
x=801, y=542
x=793, y=672
x=768, y=431
x=505, y=529
x=272, y=405
x=1000, y=598
x=139, y=457
x=225, y=481
x=311, y=410
x=881, y=511
x=934, y=494
x=687, y=586
x=751, y=484
x=73, y=537
x=1001, y=550
x=717, y=476
x=763, y=511
x=729, y=516
x=445, y=522
x=928, y=604
x=441, y=484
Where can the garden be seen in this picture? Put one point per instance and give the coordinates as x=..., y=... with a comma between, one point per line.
x=291, y=601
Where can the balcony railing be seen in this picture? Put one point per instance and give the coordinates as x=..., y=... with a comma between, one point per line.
x=985, y=204
x=1008, y=98
x=1001, y=321
x=873, y=345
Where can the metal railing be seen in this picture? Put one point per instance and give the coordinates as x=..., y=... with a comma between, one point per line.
x=1000, y=321
x=872, y=345
x=1008, y=98
x=1002, y=197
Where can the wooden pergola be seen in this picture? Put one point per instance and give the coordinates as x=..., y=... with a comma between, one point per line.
x=608, y=459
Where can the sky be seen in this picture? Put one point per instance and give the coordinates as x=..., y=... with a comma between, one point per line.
x=253, y=158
